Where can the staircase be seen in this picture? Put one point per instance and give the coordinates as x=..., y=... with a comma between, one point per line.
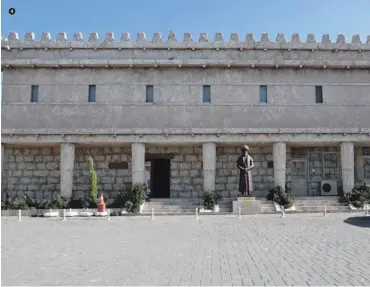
x=267, y=206
x=182, y=206
x=317, y=204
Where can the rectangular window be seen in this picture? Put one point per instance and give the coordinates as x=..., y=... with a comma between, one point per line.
x=34, y=94
x=206, y=94
x=149, y=94
x=263, y=94
x=92, y=93
x=319, y=96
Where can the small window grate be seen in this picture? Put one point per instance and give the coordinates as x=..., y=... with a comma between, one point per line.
x=206, y=94
x=34, y=94
x=92, y=94
x=263, y=94
x=319, y=95
x=149, y=94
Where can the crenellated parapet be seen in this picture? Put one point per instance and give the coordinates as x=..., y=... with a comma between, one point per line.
x=203, y=52
x=171, y=41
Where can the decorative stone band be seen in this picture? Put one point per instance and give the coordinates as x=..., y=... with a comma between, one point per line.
x=157, y=42
x=181, y=131
x=190, y=63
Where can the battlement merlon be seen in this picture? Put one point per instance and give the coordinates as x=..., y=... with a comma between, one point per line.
x=141, y=42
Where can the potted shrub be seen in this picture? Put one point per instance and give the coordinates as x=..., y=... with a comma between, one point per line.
x=358, y=196
x=138, y=197
x=216, y=199
x=211, y=200
x=281, y=197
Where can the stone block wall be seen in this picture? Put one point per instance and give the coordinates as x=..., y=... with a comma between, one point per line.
x=32, y=171
x=110, y=181
x=227, y=175
x=186, y=170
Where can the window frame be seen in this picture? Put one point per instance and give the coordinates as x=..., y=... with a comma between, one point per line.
x=207, y=91
x=260, y=93
x=92, y=95
x=34, y=93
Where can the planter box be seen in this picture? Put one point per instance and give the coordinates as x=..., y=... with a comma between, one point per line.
x=216, y=208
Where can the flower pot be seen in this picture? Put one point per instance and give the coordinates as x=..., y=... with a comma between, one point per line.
x=216, y=208
x=141, y=208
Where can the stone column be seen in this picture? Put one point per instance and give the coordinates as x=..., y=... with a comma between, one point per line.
x=359, y=162
x=347, y=161
x=138, y=162
x=209, y=166
x=67, y=160
x=279, y=157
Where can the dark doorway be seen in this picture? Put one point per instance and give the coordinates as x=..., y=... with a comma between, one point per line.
x=160, y=178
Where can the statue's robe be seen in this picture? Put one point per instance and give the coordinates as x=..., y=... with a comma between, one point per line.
x=245, y=178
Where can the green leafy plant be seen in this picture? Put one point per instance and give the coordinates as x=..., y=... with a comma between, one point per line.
x=358, y=196
x=129, y=206
x=35, y=204
x=12, y=203
x=93, y=195
x=60, y=202
x=138, y=196
x=281, y=196
x=210, y=199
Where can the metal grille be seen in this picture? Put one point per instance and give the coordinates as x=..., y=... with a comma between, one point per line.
x=330, y=165
x=315, y=166
x=298, y=153
x=367, y=168
x=299, y=169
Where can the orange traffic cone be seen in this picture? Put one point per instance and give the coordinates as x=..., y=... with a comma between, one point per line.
x=101, y=204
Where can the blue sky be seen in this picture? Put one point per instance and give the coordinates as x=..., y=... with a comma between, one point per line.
x=195, y=16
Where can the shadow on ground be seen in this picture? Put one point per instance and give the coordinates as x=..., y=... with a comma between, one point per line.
x=360, y=221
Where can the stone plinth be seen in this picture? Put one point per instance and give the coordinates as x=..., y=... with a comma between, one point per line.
x=248, y=204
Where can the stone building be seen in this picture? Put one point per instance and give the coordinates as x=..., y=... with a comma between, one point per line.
x=185, y=108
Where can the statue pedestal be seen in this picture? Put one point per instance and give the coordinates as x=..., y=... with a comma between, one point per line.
x=248, y=205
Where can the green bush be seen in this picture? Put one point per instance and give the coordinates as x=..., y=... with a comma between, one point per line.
x=13, y=203
x=120, y=200
x=281, y=196
x=34, y=204
x=60, y=202
x=358, y=196
x=210, y=199
x=138, y=196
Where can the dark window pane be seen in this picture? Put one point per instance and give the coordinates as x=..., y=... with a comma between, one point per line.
x=263, y=94
x=118, y=165
x=206, y=94
x=319, y=96
x=92, y=94
x=149, y=94
x=34, y=94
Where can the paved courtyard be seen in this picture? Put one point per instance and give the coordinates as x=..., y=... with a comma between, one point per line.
x=301, y=249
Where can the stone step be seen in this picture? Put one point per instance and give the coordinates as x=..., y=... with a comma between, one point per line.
x=319, y=204
x=321, y=208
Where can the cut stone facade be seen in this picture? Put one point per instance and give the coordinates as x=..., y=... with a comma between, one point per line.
x=296, y=141
x=32, y=171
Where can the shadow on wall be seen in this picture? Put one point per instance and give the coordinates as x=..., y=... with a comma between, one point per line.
x=360, y=221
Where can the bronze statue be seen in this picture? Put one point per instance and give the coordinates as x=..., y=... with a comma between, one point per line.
x=245, y=164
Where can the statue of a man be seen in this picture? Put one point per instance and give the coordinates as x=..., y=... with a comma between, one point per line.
x=245, y=164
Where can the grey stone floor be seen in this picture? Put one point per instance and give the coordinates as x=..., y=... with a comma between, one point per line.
x=304, y=249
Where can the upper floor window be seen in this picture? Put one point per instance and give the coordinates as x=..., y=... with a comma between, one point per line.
x=263, y=94
x=149, y=94
x=319, y=95
x=34, y=94
x=206, y=94
x=92, y=93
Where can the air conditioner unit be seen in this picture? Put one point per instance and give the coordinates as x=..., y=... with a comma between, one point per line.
x=329, y=187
